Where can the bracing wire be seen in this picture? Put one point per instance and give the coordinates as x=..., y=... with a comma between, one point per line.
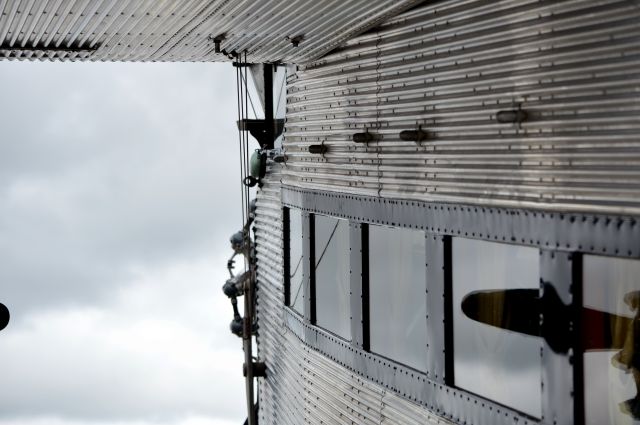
x=250, y=99
x=297, y=294
x=284, y=83
x=245, y=115
x=324, y=250
x=246, y=94
x=244, y=147
x=238, y=85
x=244, y=112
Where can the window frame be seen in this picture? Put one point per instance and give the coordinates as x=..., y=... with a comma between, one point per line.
x=366, y=284
x=286, y=257
x=451, y=327
x=562, y=239
x=313, y=276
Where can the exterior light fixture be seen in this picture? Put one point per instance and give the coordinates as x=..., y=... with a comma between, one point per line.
x=515, y=116
x=318, y=149
x=414, y=135
x=365, y=137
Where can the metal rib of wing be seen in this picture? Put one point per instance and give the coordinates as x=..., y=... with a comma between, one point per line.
x=450, y=67
x=166, y=30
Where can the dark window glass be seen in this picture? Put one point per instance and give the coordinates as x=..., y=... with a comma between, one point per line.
x=611, y=322
x=492, y=284
x=397, y=295
x=332, y=272
x=296, y=296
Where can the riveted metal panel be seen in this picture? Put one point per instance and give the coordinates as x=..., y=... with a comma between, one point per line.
x=185, y=30
x=560, y=273
x=435, y=402
x=315, y=377
x=303, y=384
x=359, y=294
x=447, y=68
x=592, y=233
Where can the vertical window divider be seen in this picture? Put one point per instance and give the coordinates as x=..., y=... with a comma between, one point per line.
x=447, y=295
x=308, y=249
x=364, y=301
x=312, y=269
x=286, y=258
x=560, y=398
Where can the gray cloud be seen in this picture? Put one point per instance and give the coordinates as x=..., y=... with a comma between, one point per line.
x=160, y=351
x=119, y=188
x=105, y=166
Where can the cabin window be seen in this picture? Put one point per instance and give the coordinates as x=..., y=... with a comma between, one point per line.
x=611, y=340
x=294, y=274
x=332, y=275
x=496, y=351
x=397, y=295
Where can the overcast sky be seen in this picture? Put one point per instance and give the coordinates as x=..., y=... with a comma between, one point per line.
x=117, y=200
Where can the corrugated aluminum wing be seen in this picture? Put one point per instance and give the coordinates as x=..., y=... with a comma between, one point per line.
x=184, y=30
x=449, y=67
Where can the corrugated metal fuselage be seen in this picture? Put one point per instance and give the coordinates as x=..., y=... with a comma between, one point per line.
x=448, y=69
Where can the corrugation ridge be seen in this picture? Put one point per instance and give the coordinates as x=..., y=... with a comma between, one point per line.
x=572, y=73
x=180, y=31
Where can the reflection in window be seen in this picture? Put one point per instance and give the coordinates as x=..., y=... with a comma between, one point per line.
x=296, y=296
x=332, y=272
x=397, y=295
x=611, y=296
x=501, y=365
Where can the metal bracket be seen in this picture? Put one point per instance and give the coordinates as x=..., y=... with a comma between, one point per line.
x=515, y=116
x=259, y=369
x=416, y=136
x=365, y=137
x=259, y=129
x=320, y=149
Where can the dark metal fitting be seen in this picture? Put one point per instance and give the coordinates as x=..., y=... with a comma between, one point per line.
x=414, y=135
x=295, y=41
x=217, y=40
x=236, y=326
x=250, y=181
x=259, y=369
x=234, y=287
x=365, y=137
x=513, y=116
x=318, y=149
x=237, y=241
x=264, y=131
